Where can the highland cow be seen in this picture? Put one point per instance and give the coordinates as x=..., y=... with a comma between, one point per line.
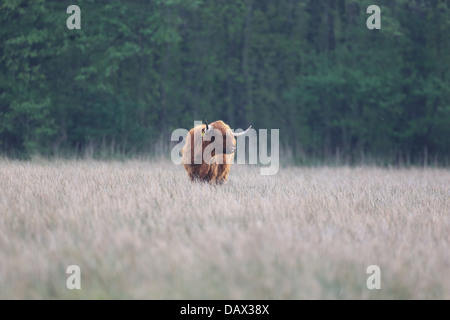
x=213, y=165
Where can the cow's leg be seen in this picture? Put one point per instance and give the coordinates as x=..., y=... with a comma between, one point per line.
x=203, y=171
x=193, y=176
x=223, y=171
x=212, y=174
x=192, y=171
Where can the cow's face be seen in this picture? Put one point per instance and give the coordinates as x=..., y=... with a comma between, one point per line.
x=220, y=135
x=229, y=142
x=227, y=145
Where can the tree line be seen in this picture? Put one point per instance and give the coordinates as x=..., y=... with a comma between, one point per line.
x=137, y=70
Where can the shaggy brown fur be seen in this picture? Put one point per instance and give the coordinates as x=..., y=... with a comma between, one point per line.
x=212, y=172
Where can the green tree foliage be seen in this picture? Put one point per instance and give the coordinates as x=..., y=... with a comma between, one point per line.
x=138, y=69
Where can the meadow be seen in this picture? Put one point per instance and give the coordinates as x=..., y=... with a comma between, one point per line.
x=140, y=229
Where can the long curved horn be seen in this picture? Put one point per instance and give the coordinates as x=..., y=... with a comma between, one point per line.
x=207, y=127
x=241, y=133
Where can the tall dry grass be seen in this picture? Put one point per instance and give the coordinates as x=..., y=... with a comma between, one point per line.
x=139, y=229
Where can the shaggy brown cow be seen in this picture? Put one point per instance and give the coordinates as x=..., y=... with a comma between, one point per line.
x=209, y=169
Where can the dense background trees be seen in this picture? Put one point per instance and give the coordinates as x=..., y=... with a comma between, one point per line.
x=139, y=69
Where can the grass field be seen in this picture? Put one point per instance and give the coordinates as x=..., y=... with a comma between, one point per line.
x=140, y=229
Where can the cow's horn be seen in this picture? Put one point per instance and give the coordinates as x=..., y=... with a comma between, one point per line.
x=207, y=127
x=241, y=133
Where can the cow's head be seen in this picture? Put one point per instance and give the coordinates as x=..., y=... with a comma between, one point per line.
x=219, y=128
